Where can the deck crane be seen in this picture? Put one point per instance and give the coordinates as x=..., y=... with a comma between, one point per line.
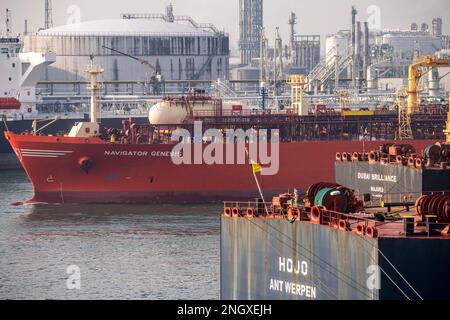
x=156, y=78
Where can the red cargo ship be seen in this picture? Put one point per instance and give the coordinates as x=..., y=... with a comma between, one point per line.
x=57, y=168
x=135, y=164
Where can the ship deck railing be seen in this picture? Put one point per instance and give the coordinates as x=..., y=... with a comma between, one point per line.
x=399, y=200
x=268, y=209
x=392, y=224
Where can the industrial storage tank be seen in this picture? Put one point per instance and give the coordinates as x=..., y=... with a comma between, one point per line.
x=405, y=42
x=178, y=47
x=339, y=40
x=402, y=42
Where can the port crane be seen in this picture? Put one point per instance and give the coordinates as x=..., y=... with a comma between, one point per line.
x=156, y=78
x=416, y=71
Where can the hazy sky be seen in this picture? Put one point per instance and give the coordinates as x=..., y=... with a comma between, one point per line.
x=314, y=16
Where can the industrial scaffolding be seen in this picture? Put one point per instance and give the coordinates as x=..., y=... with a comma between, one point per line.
x=250, y=27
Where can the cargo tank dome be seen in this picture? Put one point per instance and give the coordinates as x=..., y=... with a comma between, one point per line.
x=166, y=113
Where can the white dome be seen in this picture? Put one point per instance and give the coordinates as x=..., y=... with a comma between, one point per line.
x=166, y=113
x=112, y=27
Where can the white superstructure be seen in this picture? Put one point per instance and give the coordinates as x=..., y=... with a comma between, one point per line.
x=19, y=73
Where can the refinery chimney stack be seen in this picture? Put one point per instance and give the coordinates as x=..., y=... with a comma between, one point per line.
x=354, y=47
x=48, y=15
x=353, y=25
x=366, y=54
x=292, y=22
x=357, y=54
x=169, y=13
x=250, y=28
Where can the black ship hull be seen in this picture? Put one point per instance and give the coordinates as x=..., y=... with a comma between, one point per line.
x=392, y=182
x=275, y=259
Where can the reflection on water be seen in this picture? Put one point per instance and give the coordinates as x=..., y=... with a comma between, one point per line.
x=123, y=251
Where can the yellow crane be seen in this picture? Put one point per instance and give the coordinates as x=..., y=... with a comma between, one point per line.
x=404, y=119
x=416, y=71
x=343, y=96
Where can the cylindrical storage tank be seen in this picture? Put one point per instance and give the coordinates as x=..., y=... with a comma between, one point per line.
x=165, y=112
x=433, y=84
x=408, y=41
x=176, y=111
x=340, y=41
x=178, y=50
x=372, y=81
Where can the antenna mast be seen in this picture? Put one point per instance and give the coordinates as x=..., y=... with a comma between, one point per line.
x=94, y=87
x=8, y=23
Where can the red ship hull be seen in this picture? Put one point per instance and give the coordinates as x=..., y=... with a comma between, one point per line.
x=146, y=172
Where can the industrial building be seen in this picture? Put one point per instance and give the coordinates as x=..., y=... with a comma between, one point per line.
x=304, y=50
x=259, y=60
x=306, y=53
x=402, y=43
x=363, y=58
x=178, y=48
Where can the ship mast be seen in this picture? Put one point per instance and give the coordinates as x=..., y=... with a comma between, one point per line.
x=94, y=87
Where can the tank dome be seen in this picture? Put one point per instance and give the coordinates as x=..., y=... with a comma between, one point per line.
x=166, y=113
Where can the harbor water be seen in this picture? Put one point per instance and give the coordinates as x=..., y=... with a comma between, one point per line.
x=105, y=251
